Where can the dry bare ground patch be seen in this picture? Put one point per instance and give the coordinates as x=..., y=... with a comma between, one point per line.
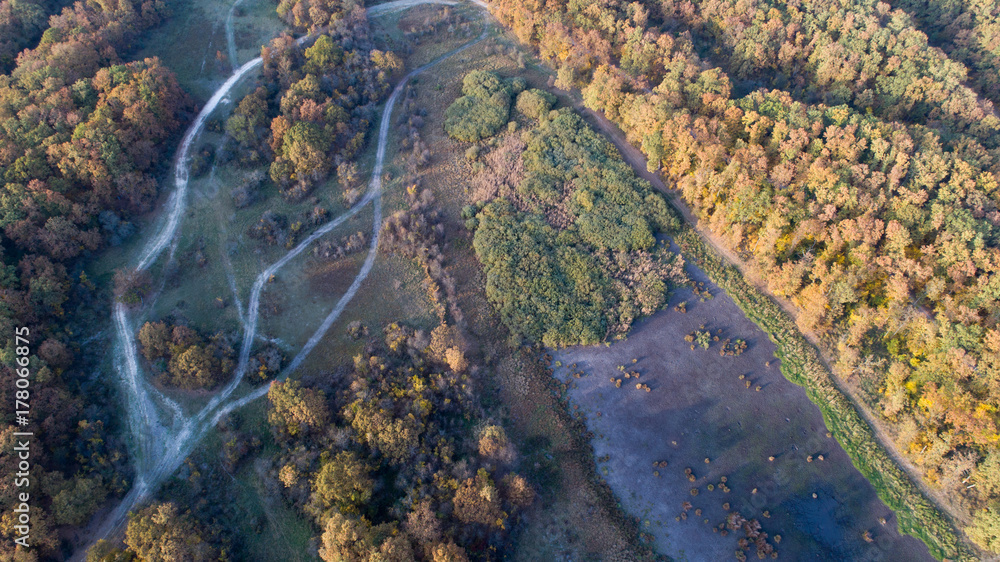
x=703, y=405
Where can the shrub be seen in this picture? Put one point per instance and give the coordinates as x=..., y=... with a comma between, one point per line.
x=535, y=103
x=471, y=119
x=131, y=285
x=985, y=530
x=482, y=110
x=483, y=84
x=493, y=442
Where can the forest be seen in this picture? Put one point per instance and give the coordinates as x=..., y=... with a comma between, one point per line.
x=398, y=462
x=394, y=459
x=83, y=134
x=86, y=134
x=846, y=152
x=854, y=169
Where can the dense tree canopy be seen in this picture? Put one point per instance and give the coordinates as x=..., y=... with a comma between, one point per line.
x=21, y=24
x=866, y=193
x=355, y=474
x=82, y=138
x=312, y=113
x=161, y=533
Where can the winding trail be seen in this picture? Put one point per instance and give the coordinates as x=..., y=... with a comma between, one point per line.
x=159, y=449
x=230, y=35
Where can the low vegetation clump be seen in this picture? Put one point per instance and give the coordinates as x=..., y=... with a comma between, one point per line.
x=276, y=229
x=535, y=103
x=701, y=338
x=483, y=108
x=265, y=364
x=566, y=234
x=733, y=347
x=131, y=286
x=247, y=191
x=754, y=539
x=417, y=233
x=337, y=249
x=356, y=330
x=184, y=359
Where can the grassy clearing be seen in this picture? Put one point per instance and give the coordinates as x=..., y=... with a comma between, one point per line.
x=801, y=364
x=391, y=29
x=189, y=41
x=214, y=232
x=306, y=289
x=270, y=529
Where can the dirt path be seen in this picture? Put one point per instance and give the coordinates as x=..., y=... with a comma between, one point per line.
x=380, y=9
x=155, y=465
x=637, y=160
x=230, y=35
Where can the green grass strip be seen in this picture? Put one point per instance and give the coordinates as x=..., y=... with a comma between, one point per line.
x=801, y=364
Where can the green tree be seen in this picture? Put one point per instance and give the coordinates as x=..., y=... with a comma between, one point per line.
x=296, y=410
x=322, y=55
x=482, y=110
x=305, y=147
x=343, y=483
x=534, y=103
x=160, y=533
x=195, y=367
x=75, y=504
x=477, y=500
x=356, y=540
x=154, y=339
x=985, y=529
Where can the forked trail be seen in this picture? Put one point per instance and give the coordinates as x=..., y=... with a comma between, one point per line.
x=162, y=436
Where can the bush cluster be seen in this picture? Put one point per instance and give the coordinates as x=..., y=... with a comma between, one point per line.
x=182, y=358
x=570, y=252
x=483, y=108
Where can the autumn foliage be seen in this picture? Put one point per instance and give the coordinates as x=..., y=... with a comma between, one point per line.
x=311, y=116
x=83, y=138
x=348, y=449
x=853, y=168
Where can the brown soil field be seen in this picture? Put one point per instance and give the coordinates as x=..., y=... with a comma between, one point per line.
x=699, y=408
